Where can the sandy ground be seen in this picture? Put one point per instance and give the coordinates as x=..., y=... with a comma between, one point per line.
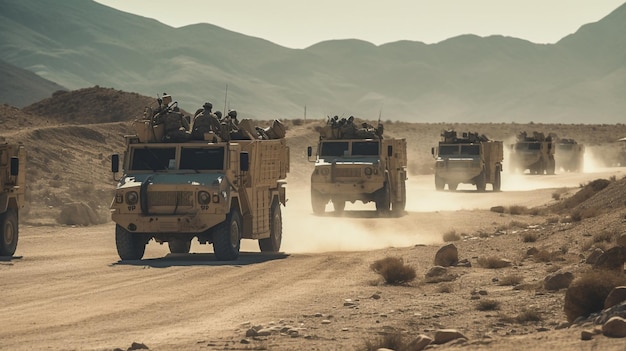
x=66, y=289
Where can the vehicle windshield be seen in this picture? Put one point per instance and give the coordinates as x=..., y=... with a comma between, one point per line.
x=365, y=148
x=196, y=158
x=448, y=150
x=527, y=146
x=152, y=159
x=470, y=149
x=334, y=148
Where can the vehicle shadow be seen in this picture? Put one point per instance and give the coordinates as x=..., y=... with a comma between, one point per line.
x=203, y=259
x=9, y=258
x=361, y=214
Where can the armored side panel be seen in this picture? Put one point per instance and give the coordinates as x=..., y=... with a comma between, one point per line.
x=13, y=187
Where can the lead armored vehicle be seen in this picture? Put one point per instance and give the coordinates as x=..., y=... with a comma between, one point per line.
x=12, y=156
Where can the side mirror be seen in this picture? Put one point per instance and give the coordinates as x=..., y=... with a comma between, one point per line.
x=389, y=150
x=309, y=151
x=244, y=161
x=432, y=151
x=15, y=166
x=115, y=163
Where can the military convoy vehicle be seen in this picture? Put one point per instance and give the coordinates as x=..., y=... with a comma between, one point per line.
x=12, y=197
x=469, y=159
x=534, y=153
x=355, y=163
x=220, y=190
x=569, y=155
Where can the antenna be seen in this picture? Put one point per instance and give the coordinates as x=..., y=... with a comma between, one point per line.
x=225, y=100
x=380, y=113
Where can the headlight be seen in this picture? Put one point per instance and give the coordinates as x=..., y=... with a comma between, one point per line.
x=204, y=198
x=368, y=171
x=132, y=198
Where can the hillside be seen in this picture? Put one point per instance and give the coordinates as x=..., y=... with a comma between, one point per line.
x=79, y=44
x=21, y=87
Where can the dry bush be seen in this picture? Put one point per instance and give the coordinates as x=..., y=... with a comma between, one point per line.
x=392, y=341
x=488, y=305
x=552, y=220
x=445, y=288
x=529, y=237
x=604, y=236
x=394, y=271
x=518, y=224
x=518, y=210
x=548, y=256
x=579, y=214
x=586, y=294
x=451, y=235
x=510, y=280
x=492, y=262
x=528, y=316
x=556, y=195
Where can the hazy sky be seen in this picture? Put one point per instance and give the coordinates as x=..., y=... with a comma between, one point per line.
x=301, y=23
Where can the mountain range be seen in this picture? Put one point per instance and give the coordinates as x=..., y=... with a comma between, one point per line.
x=74, y=44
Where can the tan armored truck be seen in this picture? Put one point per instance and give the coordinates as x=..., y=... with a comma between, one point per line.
x=216, y=190
x=469, y=159
x=356, y=163
x=534, y=153
x=12, y=156
x=569, y=155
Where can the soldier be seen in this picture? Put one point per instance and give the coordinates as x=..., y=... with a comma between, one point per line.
x=348, y=129
x=205, y=122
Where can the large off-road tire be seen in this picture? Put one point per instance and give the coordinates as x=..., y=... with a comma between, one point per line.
x=453, y=186
x=272, y=244
x=129, y=246
x=439, y=183
x=179, y=246
x=9, y=232
x=497, y=182
x=339, y=205
x=481, y=183
x=318, y=202
x=227, y=237
x=398, y=206
x=383, y=199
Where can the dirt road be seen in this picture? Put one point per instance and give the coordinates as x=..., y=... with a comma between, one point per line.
x=66, y=288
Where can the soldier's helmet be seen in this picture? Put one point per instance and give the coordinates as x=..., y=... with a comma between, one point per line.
x=167, y=99
x=208, y=106
x=218, y=114
x=232, y=113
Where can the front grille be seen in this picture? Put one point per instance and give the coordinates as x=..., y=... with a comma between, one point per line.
x=347, y=172
x=170, y=198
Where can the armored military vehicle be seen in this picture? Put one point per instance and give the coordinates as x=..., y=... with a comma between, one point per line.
x=12, y=156
x=534, y=153
x=470, y=159
x=220, y=190
x=569, y=155
x=354, y=162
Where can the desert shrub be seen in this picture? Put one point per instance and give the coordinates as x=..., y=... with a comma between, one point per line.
x=552, y=220
x=518, y=224
x=579, y=214
x=451, y=235
x=392, y=341
x=529, y=237
x=528, y=316
x=493, y=262
x=512, y=280
x=55, y=183
x=603, y=236
x=445, y=288
x=547, y=256
x=488, y=305
x=297, y=122
x=586, y=294
x=518, y=210
x=393, y=270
